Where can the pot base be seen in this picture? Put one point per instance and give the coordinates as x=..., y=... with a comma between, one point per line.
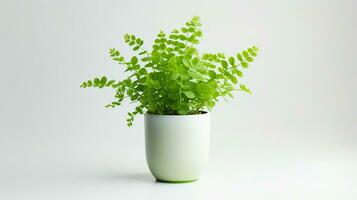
x=179, y=181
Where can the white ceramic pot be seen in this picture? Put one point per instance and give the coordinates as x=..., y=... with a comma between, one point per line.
x=177, y=146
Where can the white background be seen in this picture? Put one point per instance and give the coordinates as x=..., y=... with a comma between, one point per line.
x=293, y=138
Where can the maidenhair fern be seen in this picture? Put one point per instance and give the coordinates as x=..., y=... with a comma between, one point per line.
x=173, y=78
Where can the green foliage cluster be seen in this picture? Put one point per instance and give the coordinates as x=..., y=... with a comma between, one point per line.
x=173, y=78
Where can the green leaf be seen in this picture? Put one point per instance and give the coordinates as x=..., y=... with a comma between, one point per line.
x=195, y=61
x=143, y=71
x=185, y=77
x=155, y=57
x=143, y=52
x=245, y=89
x=156, y=47
x=156, y=84
x=245, y=54
x=188, y=85
x=96, y=82
x=212, y=74
x=186, y=62
x=175, y=76
x=200, y=67
x=109, y=83
x=172, y=62
x=238, y=72
x=239, y=56
x=189, y=94
x=145, y=59
x=89, y=83
x=224, y=64
x=199, y=33
x=134, y=60
x=174, y=37
x=210, y=65
x=231, y=61
x=181, y=69
x=183, y=109
x=162, y=46
x=244, y=64
x=182, y=37
x=234, y=79
x=128, y=82
x=250, y=59
x=136, y=67
x=173, y=85
x=173, y=95
x=103, y=80
x=196, y=75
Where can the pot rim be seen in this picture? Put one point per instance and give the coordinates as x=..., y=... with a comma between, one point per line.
x=203, y=113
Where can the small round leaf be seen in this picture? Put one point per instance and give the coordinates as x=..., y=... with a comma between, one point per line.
x=189, y=94
x=134, y=60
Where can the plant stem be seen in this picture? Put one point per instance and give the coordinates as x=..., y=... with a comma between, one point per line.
x=180, y=89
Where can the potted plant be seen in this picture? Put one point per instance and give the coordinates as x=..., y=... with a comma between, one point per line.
x=173, y=86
